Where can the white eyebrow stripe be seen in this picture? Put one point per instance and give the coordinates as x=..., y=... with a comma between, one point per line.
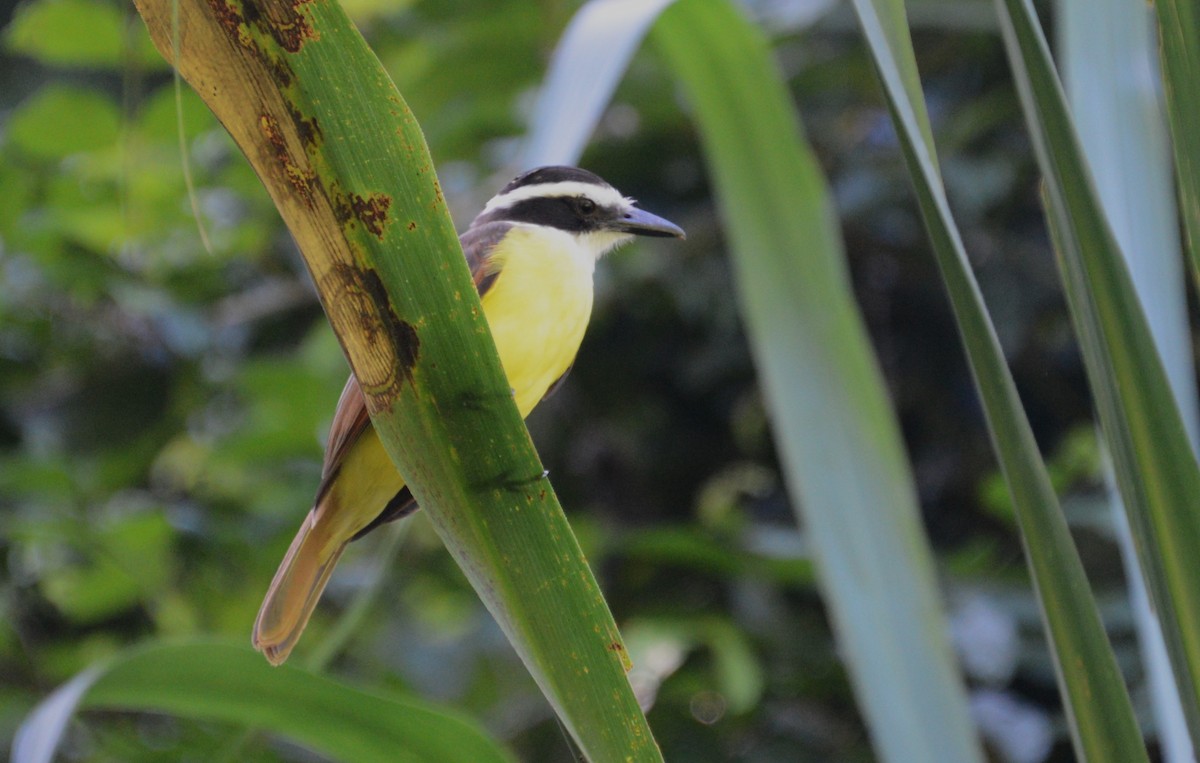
x=603, y=195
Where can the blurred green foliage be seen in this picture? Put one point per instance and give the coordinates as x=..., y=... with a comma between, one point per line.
x=163, y=404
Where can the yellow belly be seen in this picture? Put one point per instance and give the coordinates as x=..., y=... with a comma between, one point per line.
x=538, y=309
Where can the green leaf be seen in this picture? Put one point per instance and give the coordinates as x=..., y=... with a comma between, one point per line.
x=47, y=125
x=851, y=483
x=158, y=120
x=76, y=33
x=1103, y=725
x=347, y=165
x=67, y=32
x=1123, y=131
x=1179, y=34
x=589, y=61
x=1156, y=469
x=739, y=676
x=215, y=682
x=126, y=559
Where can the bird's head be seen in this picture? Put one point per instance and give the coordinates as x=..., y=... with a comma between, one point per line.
x=576, y=202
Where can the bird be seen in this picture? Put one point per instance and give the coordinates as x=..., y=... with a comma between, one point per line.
x=532, y=252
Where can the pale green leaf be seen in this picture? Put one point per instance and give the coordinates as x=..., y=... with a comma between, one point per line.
x=1110, y=67
x=1179, y=35
x=47, y=125
x=1155, y=466
x=89, y=33
x=214, y=682
x=1102, y=721
x=851, y=483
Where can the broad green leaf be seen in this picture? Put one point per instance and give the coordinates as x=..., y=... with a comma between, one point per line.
x=843, y=458
x=1102, y=722
x=347, y=165
x=1179, y=36
x=215, y=682
x=1155, y=467
x=67, y=32
x=47, y=125
x=76, y=33
x=126, y=559
x=160, y=114
x=852, y=483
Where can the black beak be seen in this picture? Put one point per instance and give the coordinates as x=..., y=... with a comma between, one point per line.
x=641, y=223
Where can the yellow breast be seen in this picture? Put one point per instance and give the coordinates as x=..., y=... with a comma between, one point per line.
x=538, y=308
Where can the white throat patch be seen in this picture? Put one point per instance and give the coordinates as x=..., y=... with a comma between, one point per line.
x=601, y=242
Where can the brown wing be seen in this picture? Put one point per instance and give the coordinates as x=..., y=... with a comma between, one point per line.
x=351, y=417
x=478, y=243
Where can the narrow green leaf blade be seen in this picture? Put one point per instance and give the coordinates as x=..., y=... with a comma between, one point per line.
x=843, y=457
x=1103, y=725
x=1110, y=64
x=1179, y=34
x=347, y=165
x=216, y=682
x=1156, y=469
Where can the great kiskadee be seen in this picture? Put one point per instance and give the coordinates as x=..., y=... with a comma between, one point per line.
x=532, y=251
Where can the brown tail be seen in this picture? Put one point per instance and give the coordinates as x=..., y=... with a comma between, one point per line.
x=294, y=592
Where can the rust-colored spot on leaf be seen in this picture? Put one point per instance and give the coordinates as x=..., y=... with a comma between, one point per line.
x=289, y=25
x=306, y=127
x=619, y=649
x=341, y=208
x=372, y=211
x=298, y=177
x=412, y=225
x=269, y=126
x=230, y=18
x=280, y=73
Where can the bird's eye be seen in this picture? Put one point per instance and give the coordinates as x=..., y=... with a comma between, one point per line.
x=586, y=206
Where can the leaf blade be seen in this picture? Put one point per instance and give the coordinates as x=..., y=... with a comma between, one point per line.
x=1179, y=33
x=852, y=482
x=1103, y=725
x=1156, y=469
x=347, y=166
x=1110, y=67
x=588, y=62
x=218, y=682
